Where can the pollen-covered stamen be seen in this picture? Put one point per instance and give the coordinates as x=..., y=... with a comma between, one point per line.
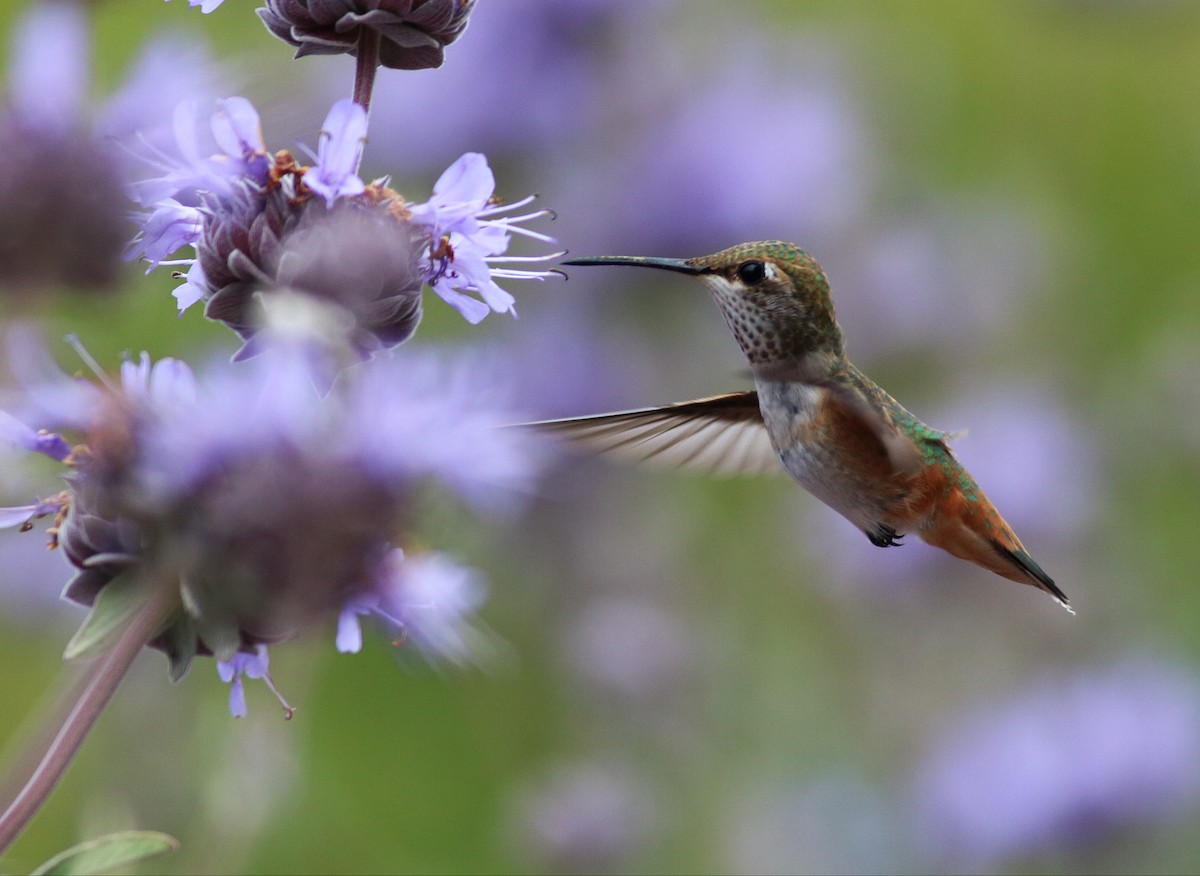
x=285, y=165
x=377, y=193
x=441, y=249
x=441, y=256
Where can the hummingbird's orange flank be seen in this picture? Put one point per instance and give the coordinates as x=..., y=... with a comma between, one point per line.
x=831, y=427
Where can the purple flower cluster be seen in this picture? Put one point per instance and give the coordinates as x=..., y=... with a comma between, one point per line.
x=267, y=506
x=269, y=498
x=261, y=224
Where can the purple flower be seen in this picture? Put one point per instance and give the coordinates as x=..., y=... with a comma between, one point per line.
x=339, y=152
x=259, y=233
x=471, y=234
x=19, y=515
x=252, y=664
x=20, y=435
x=167, y=229
x=1062, y=764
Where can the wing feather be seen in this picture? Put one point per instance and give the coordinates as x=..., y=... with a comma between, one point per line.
x=721, y=435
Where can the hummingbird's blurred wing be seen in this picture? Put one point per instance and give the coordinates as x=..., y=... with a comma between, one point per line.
x=721, y=435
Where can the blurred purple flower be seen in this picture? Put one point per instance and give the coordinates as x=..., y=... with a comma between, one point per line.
x=271, y=507
x=48, y=78
x=949, y=275
x=61, y=200
x=503, y=99
x=785, y=156
x=66, y=167
x=142, y=108
x=193, y=168
x=631, y=647
x=1062, y=764
x=40, y=441
x=426, y=598
x=1037, y=461
x=588, y=817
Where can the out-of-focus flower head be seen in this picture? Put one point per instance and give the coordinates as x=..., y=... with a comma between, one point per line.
x=1063, y=764
x=413, y=34
x=62, y=180
x=805, y=177
x=587, y=43
x=266, y=506
x=61, y=197
x=262, y=224
x=588, y=817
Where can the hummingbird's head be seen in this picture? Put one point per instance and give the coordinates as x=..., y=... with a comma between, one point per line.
x=773, y=295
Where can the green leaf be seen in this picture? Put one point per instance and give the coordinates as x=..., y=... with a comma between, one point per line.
x=179, y=641
x=108, y=852
x=114, y=606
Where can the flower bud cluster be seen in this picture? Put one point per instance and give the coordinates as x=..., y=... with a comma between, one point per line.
x=413, y=33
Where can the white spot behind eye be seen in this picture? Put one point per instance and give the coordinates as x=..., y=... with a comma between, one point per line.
x=770, y=273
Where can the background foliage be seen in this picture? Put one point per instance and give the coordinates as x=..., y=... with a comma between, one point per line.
x=697, y=675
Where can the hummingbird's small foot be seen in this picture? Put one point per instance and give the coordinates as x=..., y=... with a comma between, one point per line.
x=884, y=536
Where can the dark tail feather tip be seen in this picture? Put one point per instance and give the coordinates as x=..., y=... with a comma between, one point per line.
x=1027, y=564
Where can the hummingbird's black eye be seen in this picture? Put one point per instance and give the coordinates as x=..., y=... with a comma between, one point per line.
x=752, y=272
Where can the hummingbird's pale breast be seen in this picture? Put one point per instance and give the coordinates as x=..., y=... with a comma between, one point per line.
x=797, y=417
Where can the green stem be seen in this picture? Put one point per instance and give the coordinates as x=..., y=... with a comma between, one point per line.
x=366, y=63
x=101, y=683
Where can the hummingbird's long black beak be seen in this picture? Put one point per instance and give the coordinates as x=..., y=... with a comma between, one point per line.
x=681, y=266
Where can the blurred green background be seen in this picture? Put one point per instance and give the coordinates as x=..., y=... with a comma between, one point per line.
x=692, y=675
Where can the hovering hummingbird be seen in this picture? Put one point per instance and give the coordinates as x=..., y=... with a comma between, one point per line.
x=831, y=427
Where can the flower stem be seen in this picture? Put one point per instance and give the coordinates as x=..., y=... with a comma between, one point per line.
x=99, y=686
x=367, y=62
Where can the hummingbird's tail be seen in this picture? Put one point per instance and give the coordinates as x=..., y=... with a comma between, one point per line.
x=970, y=527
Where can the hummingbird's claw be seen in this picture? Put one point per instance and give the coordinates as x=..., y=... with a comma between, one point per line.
x=884, y=536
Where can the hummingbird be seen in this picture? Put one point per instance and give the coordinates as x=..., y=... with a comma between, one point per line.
x=813, y=413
